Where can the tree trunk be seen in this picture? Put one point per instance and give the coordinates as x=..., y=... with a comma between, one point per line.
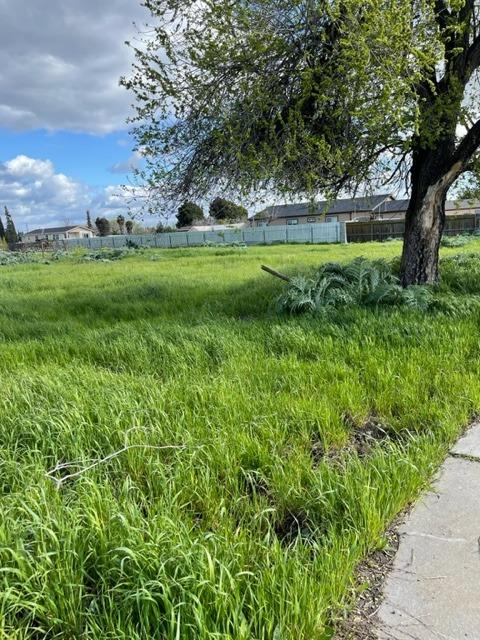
x=424, y=223
x=425, y=218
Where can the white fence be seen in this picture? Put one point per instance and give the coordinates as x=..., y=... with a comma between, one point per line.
x=331, y=232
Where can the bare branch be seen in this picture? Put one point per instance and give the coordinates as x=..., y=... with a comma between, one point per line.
x=95, y=463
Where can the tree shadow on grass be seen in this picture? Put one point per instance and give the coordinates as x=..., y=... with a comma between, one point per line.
x=188, y=304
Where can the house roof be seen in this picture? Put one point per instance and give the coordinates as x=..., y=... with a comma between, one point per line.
x=451, y=205
x=383, y=203
x=58, y=229
x=328, y=207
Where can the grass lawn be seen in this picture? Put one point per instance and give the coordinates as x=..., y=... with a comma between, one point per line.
x=253, y=526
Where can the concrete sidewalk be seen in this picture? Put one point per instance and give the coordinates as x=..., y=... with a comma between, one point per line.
x=433, y=592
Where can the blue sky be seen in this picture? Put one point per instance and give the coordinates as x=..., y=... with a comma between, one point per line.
x=64, y=142
x=91, y=158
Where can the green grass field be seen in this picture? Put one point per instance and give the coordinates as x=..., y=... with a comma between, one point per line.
x=253, y=525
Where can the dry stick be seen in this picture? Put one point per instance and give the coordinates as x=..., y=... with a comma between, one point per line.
x=277, y=274
x=60, y=481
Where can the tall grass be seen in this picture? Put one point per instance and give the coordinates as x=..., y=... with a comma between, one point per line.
x=252, y=527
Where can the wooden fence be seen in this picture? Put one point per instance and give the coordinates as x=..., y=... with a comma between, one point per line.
x=385, y=229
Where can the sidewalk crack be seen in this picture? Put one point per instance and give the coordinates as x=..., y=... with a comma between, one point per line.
x=464, y=456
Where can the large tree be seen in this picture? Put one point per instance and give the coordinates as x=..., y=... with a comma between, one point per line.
x=121, y=224
x=226, y=210
x=313, y=96
x=103, y=226
x=188, y=213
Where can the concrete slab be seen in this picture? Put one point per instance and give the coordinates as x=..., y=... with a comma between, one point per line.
x=469, y=445
x=433, y=592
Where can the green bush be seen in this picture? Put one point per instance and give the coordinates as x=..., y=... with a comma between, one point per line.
x=456, y=241
x=110, y=254
x=361, y=283
x=17, y=257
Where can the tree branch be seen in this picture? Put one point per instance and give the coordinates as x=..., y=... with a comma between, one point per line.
x=468, y=145
x=473, y=56
x=441, y=14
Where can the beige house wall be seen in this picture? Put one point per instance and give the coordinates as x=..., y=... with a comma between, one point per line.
x=354, y=215
x=63, y=235
x=339, y=217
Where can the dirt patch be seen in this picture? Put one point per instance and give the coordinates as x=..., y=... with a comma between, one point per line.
x=295, y=526
x=359, y=623
x=362, y=439
x=253, y=483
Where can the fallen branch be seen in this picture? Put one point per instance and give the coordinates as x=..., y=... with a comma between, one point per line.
x=277, y=274
x=95, y=463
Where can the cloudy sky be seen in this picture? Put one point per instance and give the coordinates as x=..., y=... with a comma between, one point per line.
x=64, y=143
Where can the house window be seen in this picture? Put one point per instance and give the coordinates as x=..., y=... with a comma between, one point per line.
x=85, y=235
x=332, y=219
x=292, y=221
x=311, y=219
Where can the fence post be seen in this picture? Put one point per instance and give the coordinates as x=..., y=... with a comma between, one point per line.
x=170, y=239
x=188, y=241
x=311, y=233
x=156, y=243
x=286, y=235
x=264, y=236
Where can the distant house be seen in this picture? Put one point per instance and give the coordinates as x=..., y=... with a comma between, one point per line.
x=396, y=209
x=380, y=207
x=70, y=232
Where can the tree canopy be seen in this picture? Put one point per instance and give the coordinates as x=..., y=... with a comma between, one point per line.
x=222, y=209
x=188, y=212
x=103, y=226
x=310, y=96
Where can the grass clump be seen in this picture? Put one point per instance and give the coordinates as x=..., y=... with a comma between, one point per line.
x=361, y=282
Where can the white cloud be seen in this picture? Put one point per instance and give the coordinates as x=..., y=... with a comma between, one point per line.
x=37, y=196
x=61, y=63
x=133, y=163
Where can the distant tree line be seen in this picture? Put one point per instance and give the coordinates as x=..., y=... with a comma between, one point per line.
x=106, y=227
x=220, y=210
